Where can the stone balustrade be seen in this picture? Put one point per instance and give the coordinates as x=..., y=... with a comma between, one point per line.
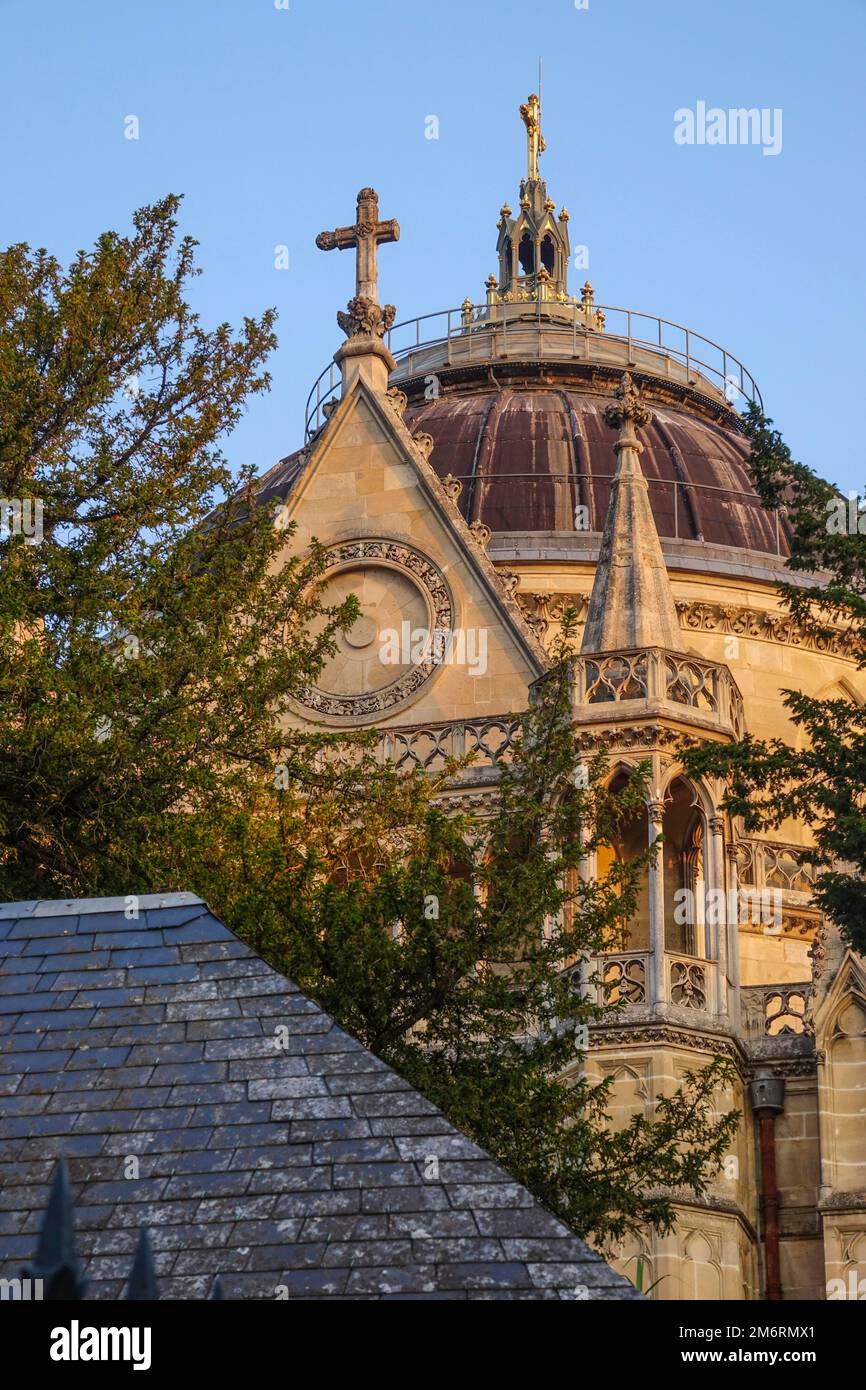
x=615, y=684
x=625, y=978
x=775, y=1011
x=430, y=746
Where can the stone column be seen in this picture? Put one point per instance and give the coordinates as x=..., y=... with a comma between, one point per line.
x=586, y=871
x=716, y=879
x=655, y=817
x=732, y=918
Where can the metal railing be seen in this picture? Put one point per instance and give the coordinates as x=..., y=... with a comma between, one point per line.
x=775, y=517
x=483, y=332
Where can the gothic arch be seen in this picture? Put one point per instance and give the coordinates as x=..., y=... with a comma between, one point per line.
x=703, y=797
x=686, y=865
x=632, y=1250
x=629, y=1093
x=840, y=688
x=527, y=258
x=624, y=765
x=840, y=1026
x=630, y=842
x=702, y=1269
x=854, y=1251
x=626, y=1070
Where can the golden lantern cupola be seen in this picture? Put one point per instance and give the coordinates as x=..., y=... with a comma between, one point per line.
x=533, y=247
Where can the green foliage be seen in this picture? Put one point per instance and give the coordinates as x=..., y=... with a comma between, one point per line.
x=142, y=651
x=640, y=1270
x=147, y=648
x=448, y=939
x=822, y=784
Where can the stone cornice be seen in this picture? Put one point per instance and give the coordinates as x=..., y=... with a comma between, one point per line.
x=652, y=1034
x=767, y=626
x=641, y=737
x=709, y=1203
x=657, y=1033
x=788, y=1066
x=775, y=625
x=839, y=1202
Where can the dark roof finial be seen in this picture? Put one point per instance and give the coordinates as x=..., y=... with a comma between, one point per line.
x=56, y=1262
x=142, y=1277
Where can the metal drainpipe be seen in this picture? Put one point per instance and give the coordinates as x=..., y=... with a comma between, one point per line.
x=767, y=1095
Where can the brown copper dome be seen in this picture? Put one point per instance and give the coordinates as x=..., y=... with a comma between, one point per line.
x=531, y=448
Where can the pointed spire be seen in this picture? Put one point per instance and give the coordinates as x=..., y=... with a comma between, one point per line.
x=142, y=1277
x=631, y=604
x=56, y=1260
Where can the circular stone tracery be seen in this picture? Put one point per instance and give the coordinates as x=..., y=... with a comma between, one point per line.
x=383, y=659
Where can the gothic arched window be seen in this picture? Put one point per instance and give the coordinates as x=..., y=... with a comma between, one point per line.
x=629, y=841
x=526, y=254
x=682, y=857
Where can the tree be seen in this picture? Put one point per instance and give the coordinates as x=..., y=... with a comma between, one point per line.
x=448, y=939
x=823, y=784
x=148, y=644
x=143, y=639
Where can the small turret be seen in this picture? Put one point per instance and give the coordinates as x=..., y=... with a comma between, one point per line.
x=533, y=247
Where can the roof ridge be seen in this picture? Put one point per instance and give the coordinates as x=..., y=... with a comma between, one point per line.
x=78, y=907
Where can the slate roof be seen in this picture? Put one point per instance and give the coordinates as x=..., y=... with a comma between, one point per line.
x=274, y=1149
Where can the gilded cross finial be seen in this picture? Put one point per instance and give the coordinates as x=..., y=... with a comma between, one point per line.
x=530, y=114
x=365, y=235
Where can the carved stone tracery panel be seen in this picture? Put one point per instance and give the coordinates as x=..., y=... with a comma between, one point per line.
x=401, y=590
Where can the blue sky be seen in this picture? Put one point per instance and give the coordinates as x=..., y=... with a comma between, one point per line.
x=269, y=120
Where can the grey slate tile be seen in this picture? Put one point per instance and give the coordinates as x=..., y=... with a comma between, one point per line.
x=33, y=929
x=391, y=1279
x=484, y=1274
x=67, y=945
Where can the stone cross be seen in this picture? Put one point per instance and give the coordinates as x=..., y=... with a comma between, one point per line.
x=365, y=236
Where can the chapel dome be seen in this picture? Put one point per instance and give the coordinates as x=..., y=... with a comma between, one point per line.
x=529, y=443
x=512, y=391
